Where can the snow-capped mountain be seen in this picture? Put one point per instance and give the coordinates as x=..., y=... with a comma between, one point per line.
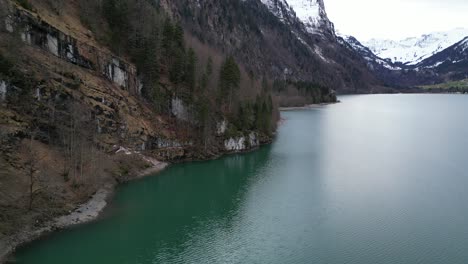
x=452, y=61
x=310, y=12
x=373, y=61
x=449, y=64
x=411, y=51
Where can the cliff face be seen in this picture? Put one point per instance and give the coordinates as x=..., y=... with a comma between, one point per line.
x=311, y=13
x=275, y=38
x=96, y=64
x=86, y=106
x=73, y=118
x=38, y=33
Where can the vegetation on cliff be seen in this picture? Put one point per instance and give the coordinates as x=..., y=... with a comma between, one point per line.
x=91, y=92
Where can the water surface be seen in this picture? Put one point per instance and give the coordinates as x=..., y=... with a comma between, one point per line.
x=375, y=179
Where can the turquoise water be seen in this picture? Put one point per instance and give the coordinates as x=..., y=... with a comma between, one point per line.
x=375, y=179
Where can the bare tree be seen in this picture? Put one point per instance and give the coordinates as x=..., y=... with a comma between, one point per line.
x=32, y=169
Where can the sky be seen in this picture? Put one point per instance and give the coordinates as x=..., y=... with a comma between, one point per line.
x=396, y=19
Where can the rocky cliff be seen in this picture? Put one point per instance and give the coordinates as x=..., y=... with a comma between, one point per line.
x=275, y=38
x=74, y=117
x=94, y=92
x=311, y=13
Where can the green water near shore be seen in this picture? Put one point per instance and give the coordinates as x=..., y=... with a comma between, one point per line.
x=375, y=179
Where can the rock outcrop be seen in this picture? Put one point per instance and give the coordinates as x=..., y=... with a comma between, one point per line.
x=36, y=32
x=242, y=143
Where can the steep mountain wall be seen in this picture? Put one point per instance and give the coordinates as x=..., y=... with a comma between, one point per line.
x=36, y=32
x=269, y=37
x=74, y=120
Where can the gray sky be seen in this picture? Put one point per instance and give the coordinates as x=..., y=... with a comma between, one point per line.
x=396, y=19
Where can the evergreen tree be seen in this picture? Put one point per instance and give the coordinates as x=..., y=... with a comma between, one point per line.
x=177, y=67
x=190, y=72
x=206, y=75
x=168, y=32
x=178, y=36
x=229, y=79
x=265, y=88
x=116, y=13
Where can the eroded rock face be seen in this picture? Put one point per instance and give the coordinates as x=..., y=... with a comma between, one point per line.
x=221, y=127
x=242, y=143
x=117, y=74
x=117, y=117
x=3, y=91
x=9, y=25
x=253, y=139
x=36, y=32
x=235, y=144
x=166, y=143
x=179, y=110
x=52, y=45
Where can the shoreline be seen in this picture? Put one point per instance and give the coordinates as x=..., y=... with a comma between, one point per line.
x=305, y=107
x=87, y=212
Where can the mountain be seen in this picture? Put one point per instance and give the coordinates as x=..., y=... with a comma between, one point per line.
x=310, y=12
x=411, y=51
x=451, y=63
x=373, y=61
x=95, y=93
x=448, y=64
x=271, y=37
x=394, y=75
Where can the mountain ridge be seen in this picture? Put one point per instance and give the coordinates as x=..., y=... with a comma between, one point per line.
x=449, y=64
x=273, y=39
x=412, y=50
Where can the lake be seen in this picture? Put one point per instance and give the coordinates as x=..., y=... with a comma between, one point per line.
x=374, y=179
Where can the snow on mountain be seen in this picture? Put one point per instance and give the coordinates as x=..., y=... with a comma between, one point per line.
x=454, y=58
x=310, y=12
x=372, y=59
x=413, y=50
x=279, y=8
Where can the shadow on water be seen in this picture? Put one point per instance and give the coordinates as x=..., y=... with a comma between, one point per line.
x=155, y=215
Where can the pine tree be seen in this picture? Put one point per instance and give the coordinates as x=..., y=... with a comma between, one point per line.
x=177, y=67
x=206, y=75
x=190, y=73
x=229, y=80
x=178, y=36
x=168, y=32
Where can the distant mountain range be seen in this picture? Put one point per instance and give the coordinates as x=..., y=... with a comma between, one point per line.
x=429, y=59
x=411, y=51
x=432, y=58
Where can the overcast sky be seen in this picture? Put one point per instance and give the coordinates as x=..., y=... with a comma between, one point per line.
x=396, y=19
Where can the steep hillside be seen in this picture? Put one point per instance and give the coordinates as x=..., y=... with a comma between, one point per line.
x=268, y=37
x=311, y=13
x=391, y=74
x=451, y=63
x=93, y=93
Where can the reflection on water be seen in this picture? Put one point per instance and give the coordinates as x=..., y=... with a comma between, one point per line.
x=375, y=179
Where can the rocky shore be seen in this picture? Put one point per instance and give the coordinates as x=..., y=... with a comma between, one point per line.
x=84, y=213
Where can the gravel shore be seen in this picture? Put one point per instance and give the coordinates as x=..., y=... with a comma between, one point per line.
x=84, y=213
